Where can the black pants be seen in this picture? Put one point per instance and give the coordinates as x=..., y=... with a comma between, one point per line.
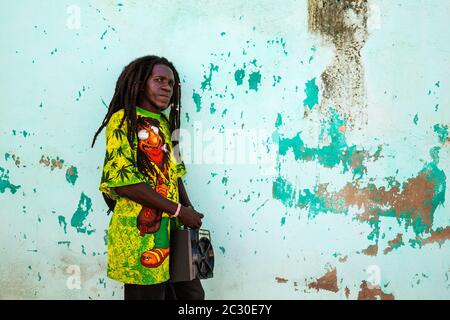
x=186, y=290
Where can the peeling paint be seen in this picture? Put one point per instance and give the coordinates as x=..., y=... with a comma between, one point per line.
x=224, y=181
x=279, y=41
x=62, y=222
x=212, y=110
x=254, y=80
x=80, y=215
x=206, y=83
x=279, y=121
x=239, y=76
x=65, y=242
x=72, y=175
x=338, y=152
x=312, y=94
x=276, y=80
x=53, y=163
x=197, y=100
x=413, y=202
x=15, y=158
x=5, y=183
x=442, y=131
x=259, y=207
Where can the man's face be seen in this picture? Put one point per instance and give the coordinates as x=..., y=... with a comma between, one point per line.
x=158, y=89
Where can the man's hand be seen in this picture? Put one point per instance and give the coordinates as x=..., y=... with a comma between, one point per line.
x=190, y=218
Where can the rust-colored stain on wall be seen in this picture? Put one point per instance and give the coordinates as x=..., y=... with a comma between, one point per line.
x=53, y=163
x=371, y=250
x=347, y=292
x=373, y=293
x=413, y=201
x=14, y=157
x=281, y=280
x=439, y=236
x=394, y=243
x=326, y=282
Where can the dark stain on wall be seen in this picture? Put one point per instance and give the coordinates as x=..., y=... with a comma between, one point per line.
x=342, y=23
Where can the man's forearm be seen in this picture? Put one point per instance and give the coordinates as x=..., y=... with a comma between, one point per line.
x=147, y=197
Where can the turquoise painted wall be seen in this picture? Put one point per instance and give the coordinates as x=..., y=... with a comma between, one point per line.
x=341, y=195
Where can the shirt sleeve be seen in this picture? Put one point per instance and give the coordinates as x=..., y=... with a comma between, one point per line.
x=119, y=168
x=180, y=169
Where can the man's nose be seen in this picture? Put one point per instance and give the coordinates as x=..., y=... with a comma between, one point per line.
x=166, y=87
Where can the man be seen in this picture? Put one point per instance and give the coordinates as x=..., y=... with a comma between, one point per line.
x=141, y=181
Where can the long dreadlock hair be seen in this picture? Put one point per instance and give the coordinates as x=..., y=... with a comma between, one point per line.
x=129, y=86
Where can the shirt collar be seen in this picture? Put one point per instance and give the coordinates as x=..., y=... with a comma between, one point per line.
x=146, y=113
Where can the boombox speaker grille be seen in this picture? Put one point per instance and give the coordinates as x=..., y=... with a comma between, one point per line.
x=191, y=255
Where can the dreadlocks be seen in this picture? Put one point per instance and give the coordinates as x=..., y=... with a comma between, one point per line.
x=131, y=82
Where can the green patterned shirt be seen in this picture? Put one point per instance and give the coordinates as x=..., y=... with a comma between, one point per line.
x=139, y=237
